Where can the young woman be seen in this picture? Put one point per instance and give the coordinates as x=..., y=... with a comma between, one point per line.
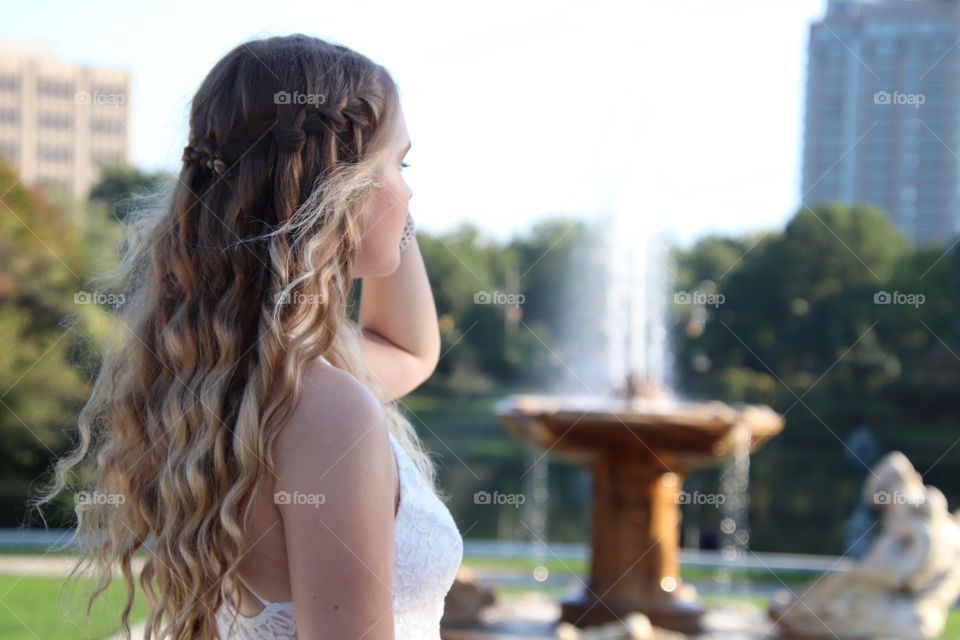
x=245, y=428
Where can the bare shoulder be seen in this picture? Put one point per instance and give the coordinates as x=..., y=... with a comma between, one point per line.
x=334, y=415
x=334, y=493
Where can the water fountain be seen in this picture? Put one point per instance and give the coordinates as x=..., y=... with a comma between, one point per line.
x=639, y=457
x=639, y=442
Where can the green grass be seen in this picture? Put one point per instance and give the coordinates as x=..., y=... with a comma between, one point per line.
x=757, y=602
x=952, y=630
x=580, y=566
x=33, y=550
x=553, y=564
x=30, y=608
x=765, y=576
x=553, y=592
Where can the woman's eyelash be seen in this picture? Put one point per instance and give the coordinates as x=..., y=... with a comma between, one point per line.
x=404, y=165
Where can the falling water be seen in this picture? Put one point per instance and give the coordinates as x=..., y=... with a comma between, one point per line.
x=535, y=507
x=734, y=511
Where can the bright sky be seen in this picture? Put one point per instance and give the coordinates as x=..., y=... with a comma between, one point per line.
x=516, y=110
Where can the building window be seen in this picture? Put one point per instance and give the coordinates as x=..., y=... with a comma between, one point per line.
x=56, y=121
x=108, y=94
x=9, y=115
x=54, y=88
x=9, y=83
x=106, y=126
x=103, y=158
x=9, y=149
x=54, y=153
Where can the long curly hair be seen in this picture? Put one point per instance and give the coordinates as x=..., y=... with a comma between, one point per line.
x=259, y=234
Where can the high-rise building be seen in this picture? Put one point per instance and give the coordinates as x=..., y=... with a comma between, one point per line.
x=60, y=123
x=882, y=121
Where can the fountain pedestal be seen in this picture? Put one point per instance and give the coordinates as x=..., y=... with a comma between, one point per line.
x=639, y=454
x=636, y=525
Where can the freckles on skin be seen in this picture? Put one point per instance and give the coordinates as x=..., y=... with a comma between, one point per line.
x=384, y=204
x=391, y=204
x=384, y=220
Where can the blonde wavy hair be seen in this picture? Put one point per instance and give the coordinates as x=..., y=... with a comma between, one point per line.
x=288, y=137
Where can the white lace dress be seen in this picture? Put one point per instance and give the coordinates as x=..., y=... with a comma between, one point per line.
x=427, y=551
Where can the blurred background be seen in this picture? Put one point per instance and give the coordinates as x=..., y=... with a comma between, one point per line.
x=798, y=163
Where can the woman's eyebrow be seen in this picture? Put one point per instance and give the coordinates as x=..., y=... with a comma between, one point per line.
x=408, y=148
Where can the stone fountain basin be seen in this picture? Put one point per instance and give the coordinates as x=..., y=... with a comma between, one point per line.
x=686, y=434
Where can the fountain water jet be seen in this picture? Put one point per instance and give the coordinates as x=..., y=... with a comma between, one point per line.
x=734, y=509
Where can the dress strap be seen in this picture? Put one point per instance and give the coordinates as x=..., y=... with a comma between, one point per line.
x=256, y=595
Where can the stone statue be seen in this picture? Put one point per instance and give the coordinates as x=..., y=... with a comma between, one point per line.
x=906, y=582
x=466, y=600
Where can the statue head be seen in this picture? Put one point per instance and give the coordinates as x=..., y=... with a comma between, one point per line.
x=894, y=482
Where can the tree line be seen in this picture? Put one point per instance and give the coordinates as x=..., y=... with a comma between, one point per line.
x=836, y=320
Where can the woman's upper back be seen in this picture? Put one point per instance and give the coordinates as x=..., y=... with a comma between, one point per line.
x=346, y=553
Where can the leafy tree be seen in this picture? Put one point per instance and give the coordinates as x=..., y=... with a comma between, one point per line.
x=47, y=249
x=118, y=183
